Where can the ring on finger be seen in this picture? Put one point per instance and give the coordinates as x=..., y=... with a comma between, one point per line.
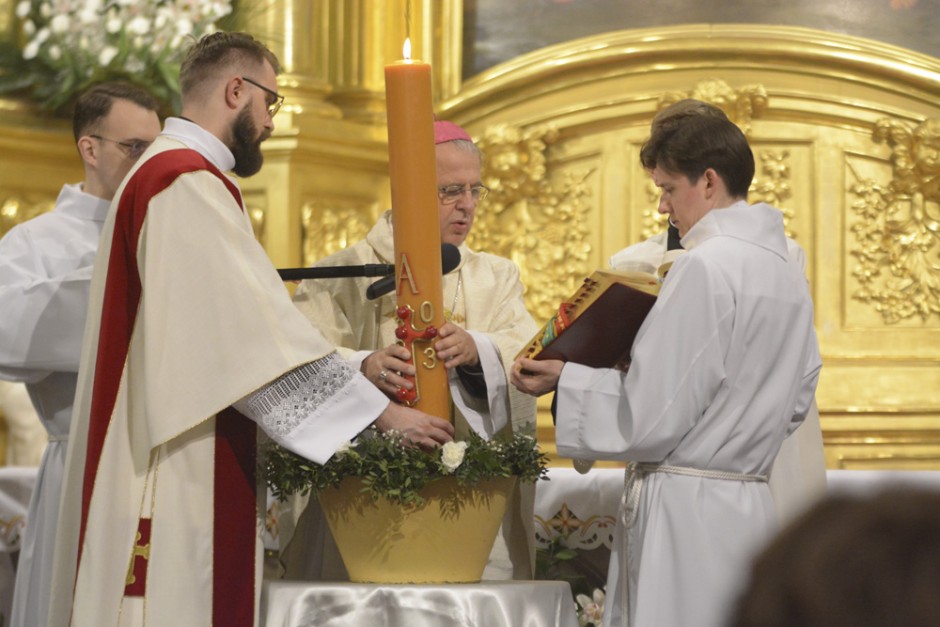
x=383, y=375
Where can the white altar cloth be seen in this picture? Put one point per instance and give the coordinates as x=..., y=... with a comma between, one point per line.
x=489, y=604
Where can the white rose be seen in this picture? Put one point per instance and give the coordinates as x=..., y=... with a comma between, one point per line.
x=55, y=52
x=113, y=24
x=29, y=29
x=22, y=9
x=343, y=448
x=452, y=455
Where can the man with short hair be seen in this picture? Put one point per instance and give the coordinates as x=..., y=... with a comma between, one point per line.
x=723, y=369
x=45, y=273
x=487, y=324
x=193, y=344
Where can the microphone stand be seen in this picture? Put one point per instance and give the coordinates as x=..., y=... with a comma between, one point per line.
x=336, y=272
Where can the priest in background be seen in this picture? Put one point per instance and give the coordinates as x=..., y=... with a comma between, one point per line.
x=798, y=477
x=45, y=274
x=487, y=324
x=722, y=370
x=192, y=343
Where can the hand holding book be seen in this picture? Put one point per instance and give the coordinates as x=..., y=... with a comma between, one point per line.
x=597, y=325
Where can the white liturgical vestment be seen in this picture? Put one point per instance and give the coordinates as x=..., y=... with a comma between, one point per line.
x=187, y=317
x=45, y=273
x=798, y=477
x=723, y=369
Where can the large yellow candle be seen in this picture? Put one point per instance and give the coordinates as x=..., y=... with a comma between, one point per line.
x=411, y=162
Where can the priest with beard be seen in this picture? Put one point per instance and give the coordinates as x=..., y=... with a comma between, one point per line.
x=191, y=345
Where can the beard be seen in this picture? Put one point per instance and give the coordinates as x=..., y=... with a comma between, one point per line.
x=246, y=144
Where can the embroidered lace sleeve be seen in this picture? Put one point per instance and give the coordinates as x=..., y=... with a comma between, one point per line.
x=282, y=405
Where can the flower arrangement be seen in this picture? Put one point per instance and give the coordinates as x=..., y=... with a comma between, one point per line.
x=70, y=44
x=391, y=470
x=591, y=609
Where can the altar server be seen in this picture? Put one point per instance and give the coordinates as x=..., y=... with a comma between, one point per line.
x=191, y=344
x=45, y=272
x=723, y=369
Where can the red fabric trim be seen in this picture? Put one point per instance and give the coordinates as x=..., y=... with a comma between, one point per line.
x=235, y=534
x=122, y=298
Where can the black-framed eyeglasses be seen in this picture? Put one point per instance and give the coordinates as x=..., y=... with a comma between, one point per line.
x=273, y=106
x=449, y=194
x=132, y=148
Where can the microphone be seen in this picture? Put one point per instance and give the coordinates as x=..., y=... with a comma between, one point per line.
x=335, y=272
x=450, y=259
x=673, y=241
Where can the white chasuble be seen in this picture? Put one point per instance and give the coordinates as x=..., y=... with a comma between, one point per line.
x=159, y=512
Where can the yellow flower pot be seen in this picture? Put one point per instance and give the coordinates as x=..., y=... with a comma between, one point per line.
x=446, y=540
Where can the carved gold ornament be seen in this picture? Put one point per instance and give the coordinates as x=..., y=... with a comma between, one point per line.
x=331, y=227
x=550, y=240
x=740, y=105
x=16, y=209
x=898, y=225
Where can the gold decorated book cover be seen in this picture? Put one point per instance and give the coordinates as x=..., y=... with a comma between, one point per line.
x=597, y=325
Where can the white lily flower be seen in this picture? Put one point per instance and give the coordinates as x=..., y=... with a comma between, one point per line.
x=138, y=26
x=31, y=50
x=59, y=24
x=107, y=55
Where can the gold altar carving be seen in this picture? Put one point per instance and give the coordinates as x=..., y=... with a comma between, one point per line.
x=561, y=129
x=329, y=227
x=549, y=244
x=17, y=208
x=898, y=227
x=810, y=103
x=740, y=105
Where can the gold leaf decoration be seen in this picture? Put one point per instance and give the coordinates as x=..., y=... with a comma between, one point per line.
x=550, y=240
x=772, y=185
x=740, y=105
x=17, y=209
x=257, y=217
x=898, y=225
x=331, y=226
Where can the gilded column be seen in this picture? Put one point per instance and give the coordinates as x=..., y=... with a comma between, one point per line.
x=298, y=32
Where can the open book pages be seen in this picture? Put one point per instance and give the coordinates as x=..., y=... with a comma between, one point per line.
x=597, y=325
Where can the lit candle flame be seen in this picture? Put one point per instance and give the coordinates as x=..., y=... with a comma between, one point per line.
x=406, y=49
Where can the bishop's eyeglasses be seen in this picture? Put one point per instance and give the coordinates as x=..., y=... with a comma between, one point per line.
x=449, y=194
x=275, y=105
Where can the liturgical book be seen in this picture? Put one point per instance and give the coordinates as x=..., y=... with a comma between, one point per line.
x=597, y=325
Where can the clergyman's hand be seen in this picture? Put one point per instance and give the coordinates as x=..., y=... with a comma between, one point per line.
x=456, y=347
x=416, y=427
x=536, y=377
x=385, y=368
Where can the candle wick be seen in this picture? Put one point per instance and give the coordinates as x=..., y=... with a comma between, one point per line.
x=408, y=19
